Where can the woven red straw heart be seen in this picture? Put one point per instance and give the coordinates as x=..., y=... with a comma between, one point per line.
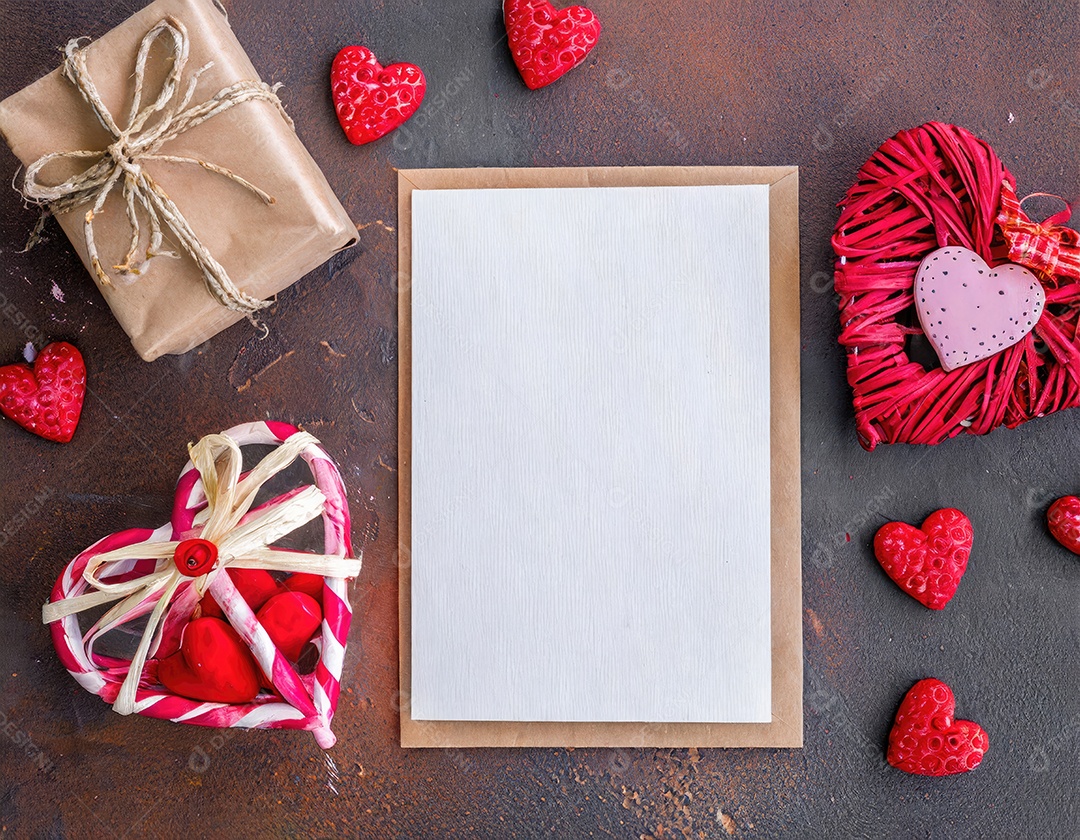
x=141, y=570
x=934, y=186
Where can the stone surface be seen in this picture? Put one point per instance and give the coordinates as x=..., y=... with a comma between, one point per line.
x=671, y=83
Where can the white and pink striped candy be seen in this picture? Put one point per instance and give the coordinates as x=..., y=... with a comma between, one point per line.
x=309, y=700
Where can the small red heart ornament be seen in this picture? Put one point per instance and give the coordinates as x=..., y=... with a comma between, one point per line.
x=1063, y=518
x=213, y=664
x=307, y=583
x=46, y=400
x=928, y=562
x=256, y=585
x=545, y=42
x=927, y=741
x=372, y=100
x=291, y=619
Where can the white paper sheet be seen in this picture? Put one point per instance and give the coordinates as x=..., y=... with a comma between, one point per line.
x=590, y=442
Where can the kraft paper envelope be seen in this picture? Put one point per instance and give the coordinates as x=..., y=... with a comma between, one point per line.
x=781, y=728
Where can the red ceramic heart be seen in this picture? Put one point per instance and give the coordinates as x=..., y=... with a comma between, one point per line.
x=213, y=664
x=970, y=311
x=545, y=42
x=48, y=399
x=256, y=585
x=372, y=100
x=927, y=741
x=307, y=583
x=1064, y=521
x=291, y=619
x=928, y=562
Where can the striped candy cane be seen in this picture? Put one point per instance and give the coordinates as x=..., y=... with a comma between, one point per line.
x=307, y=701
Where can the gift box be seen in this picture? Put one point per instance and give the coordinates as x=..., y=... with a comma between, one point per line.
x=233, y=628
x=159, y=140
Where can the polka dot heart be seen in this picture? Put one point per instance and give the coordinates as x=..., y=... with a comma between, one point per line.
x=970, y=311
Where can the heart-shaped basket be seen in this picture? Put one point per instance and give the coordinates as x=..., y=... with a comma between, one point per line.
x=141, y=569
x=926, y=188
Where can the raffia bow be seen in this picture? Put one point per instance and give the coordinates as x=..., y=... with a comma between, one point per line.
x=146, y=130
x=243, y=540
x=1049, y=247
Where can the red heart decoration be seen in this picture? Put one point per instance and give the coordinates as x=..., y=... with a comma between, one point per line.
x=213, y=664
x=307, y=583
x=1064, y=521
x=929, y=187
x=48, y=399
x=546, y=43
x=291, y=619
x=928, y=562
x=256, y=585
x=372, y=100
x=926, y=741
x=196, y=673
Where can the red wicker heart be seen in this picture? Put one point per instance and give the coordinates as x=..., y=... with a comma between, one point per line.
x=931, y=187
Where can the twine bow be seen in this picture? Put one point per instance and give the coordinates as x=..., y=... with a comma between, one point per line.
x=146, y=130
x=243, y=540
x=1049, y=247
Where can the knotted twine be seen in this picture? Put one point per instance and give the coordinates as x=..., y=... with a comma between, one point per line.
x=241, y=545
x=146, y=130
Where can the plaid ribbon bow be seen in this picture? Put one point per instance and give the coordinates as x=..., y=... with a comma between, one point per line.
x=1049, y=247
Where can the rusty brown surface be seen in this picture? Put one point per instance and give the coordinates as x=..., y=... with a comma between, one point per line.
x=670, y=83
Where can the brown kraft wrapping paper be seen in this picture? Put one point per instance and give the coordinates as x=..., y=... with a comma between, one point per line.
x=264, y=248
x=786, y=728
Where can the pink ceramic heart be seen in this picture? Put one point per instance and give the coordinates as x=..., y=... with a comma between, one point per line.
x=970, y=311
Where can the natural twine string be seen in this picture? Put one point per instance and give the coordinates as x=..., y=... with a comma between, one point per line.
x=147, y=129
x=241, y=545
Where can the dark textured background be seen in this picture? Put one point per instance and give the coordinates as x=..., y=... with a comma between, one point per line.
x=818, y=85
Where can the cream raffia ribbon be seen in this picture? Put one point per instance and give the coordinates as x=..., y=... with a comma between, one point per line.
x=240, y=546
x=146, y=130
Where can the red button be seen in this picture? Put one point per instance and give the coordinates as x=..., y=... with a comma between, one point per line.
x=195, y=557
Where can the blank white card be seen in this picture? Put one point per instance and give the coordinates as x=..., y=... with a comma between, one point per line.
x=590, y=444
